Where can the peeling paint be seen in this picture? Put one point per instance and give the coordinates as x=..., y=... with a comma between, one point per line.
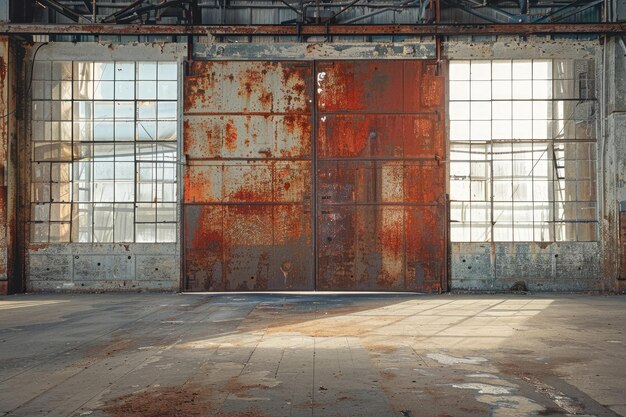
x=248, y=224
x=249, y=183
x=380, y=190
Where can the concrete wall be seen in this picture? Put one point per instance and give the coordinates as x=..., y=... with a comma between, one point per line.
x=613, y=173
x=112, y=267
x=96, y=267
x=8, y=165
x=562, y=266
x=4, y=149
x=554, y=266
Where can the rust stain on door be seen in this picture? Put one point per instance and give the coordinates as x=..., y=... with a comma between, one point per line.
x=247, y=142
x=381, y=176
x=379, y=203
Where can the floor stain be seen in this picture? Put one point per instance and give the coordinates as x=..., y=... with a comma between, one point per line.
x=181, y=401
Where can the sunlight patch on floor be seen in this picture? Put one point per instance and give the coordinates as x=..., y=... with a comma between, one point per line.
x=7, y=305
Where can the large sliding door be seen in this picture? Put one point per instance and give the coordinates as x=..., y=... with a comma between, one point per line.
x=380, y=176
x=358, y=143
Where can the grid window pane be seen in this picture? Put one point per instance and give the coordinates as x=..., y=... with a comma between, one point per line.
x=522, y=150
x=146, y=70
x=91, y=124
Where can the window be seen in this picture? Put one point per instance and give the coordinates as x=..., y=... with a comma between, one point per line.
x=522, y=151
x=104, y=138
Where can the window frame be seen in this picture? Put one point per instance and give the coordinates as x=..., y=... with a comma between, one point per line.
x=509, y=155
x=78, y=153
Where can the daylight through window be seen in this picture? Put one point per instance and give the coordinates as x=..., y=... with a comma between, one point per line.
x=522, y=150
x=104, y=151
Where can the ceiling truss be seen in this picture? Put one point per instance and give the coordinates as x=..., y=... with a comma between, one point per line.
x=190, y=12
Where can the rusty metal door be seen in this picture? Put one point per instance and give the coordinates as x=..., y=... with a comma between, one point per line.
x=248, y=175
x=381, y=206
x=371, y=131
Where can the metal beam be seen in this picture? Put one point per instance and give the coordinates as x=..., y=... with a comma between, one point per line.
x=578, y=10
x=555, y=15
x=315, y=30
x=126, y=8
x=467, y=9
x=89, y=5
x=480, y=11
x=65, y=11
x=396, y=8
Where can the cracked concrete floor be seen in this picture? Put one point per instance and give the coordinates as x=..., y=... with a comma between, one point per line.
x=312, y=355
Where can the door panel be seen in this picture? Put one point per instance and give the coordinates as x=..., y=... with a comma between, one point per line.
x=380, y=176
x=247, y=199
x=402, y=136
x=383, y=86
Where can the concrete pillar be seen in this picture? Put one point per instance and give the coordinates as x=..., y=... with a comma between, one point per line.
x=612, y=152
x=9, y=279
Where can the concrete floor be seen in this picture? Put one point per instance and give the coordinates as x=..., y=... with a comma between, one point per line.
x=312, y=355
